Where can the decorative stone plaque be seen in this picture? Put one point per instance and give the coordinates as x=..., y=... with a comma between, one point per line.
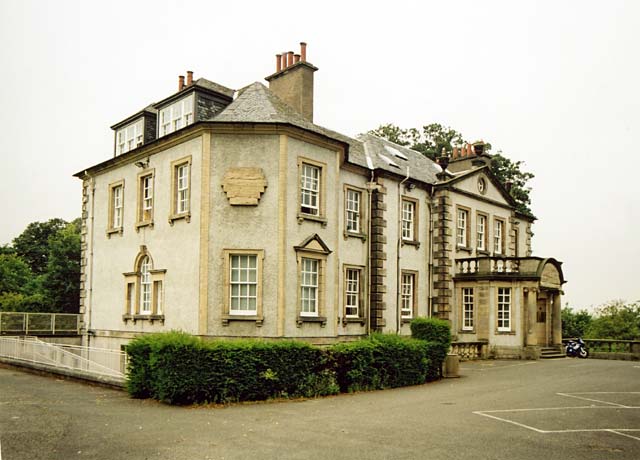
x=244, y=186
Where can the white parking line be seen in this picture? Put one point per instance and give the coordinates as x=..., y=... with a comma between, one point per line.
x=619, y=431
x=573, y=395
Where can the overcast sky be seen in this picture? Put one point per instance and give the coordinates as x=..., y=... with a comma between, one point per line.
x=552, y=83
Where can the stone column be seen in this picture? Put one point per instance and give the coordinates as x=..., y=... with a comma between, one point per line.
x=556, y=331
x=378, y=242
x=532, y=308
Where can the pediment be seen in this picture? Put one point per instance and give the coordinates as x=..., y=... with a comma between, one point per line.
x=483, y=184
x=315, y=244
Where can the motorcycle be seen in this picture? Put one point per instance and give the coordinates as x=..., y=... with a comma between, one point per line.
x=577, y=348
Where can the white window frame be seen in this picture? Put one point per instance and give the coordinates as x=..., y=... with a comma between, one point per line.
x=462, y=227
x=407, y=294
x=309, y=286
x=118, y=206
x=244, y=288
x=353, y=203
x=352, y=286
x=498, y=236
x=408, y=220
x=147, y=197
x=146, y=286
x=130, y=137
x=182, y=188
x=310, y=177
x=503, y=312
x=467, y=309
x=481, y=232
x=176, y=116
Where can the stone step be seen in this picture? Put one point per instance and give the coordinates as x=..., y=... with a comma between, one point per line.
x=552, y=353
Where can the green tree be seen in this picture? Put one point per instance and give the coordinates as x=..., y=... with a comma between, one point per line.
x=510, y=172
x=432, y=138
x=616, y=320
x=32, y=245
x=575, y=324
x=61, y=281
x=15, y=274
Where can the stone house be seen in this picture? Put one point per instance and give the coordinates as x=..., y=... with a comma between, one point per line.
x=229, y=213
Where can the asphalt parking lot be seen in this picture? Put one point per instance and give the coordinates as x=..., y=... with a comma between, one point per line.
x=567, y=408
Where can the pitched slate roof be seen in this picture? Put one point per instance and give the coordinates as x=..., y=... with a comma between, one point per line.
x=257, y=104
x=212, y=86
x=383, y=154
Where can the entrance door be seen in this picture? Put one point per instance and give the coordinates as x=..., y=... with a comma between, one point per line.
x=542, y=314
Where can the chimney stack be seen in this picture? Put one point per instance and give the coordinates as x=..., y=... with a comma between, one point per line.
x=293, y=81
x=189, y=77
x=180, y=82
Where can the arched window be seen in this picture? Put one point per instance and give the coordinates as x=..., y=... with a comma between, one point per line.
x=144, y=289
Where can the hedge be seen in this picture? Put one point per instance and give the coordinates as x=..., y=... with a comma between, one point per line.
x=380, y=361
x=178, y=368
x=437, y=335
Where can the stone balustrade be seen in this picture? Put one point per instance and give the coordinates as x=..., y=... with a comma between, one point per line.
x=468, y=351
x=495, y=265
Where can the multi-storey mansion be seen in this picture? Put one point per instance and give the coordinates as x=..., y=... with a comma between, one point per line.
x=231, y=214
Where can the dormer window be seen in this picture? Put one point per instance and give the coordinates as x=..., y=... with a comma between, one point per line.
x=130, y=137
x=176, y=116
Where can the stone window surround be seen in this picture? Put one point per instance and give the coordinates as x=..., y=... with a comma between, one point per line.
x=360, y=234
x=414, y=300
x=322, y=267
x=132, y=291
x=321, y=217
x=416, y=219
x=111, y=229
x=510, y=330
x=226, y=306
x=174, y=190
x=502, y=236
x=361, y=289
x=140, y=221
x=466, y=329
x=466, y=247
x=484, y=250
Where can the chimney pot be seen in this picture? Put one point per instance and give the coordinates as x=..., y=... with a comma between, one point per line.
x=289, y=58
x=278, y=62
x=180, y=82
x=303, y=51
x=296, y=58
x=454, y=154
x=189, y=77
x=478, y=148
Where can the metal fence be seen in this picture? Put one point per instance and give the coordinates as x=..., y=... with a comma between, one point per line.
x=87, y=361
x=18, y=323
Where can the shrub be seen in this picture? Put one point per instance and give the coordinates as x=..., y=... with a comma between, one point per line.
x=180, y=369
x=431, y=330
x=380, y=361
x=437, y=335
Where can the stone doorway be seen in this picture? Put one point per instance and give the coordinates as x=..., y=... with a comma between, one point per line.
x=542, y=322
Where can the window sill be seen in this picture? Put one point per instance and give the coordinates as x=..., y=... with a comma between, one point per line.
x=140, y=225
x=414, y=243
x=467, y=331
x=115, y=231
x=312, y=319
x=464, y=249
x=505, y=332
x=482, y=252
x=361, y=236
x=141, y=317
x=320, y=219
x=406, y=320
x=353, y=320
x=185, y=215
x=258, y=319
